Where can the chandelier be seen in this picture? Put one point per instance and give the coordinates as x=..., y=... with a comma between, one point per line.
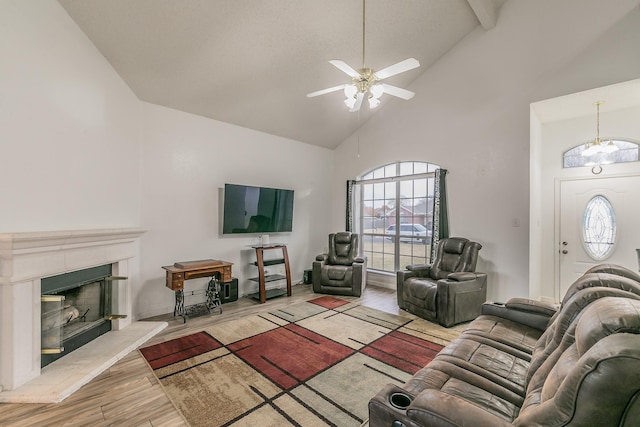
x=597, y=146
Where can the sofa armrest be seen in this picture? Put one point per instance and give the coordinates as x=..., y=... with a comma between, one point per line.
x=435, y=408
x=316, y=275
x=359, y=276
x=359, y=260
x=519, y=313
x=421, y=270
x=460, y=301
x=382, y=413
x=462, y=276
x=401, y=276
x=532, y=306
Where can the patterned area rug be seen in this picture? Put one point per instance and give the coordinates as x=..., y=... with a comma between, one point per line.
x=315, y=363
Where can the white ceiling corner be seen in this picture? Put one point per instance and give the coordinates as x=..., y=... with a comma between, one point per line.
x=486, y=11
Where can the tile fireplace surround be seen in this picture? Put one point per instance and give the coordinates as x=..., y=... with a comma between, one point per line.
x=25, y=258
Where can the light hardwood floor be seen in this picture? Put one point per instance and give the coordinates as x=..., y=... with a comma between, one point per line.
x=128, y=394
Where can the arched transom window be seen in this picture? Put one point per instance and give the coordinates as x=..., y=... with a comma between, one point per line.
x=627, y=151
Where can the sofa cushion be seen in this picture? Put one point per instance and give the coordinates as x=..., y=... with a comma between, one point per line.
x=502, y=364
x=594, y=374
x=450, y=380
x=505, y=331
x=605, y=280
x=343, y=247
x=337, y=275
x=572, y=309
x=617, y=270
x=421, y=292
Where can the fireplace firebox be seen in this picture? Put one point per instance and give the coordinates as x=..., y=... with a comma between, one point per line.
x=76, y=308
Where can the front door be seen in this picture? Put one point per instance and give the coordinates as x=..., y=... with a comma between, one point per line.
x=622, y=195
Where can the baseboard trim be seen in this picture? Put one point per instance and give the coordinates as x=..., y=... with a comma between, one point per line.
x=381, y=279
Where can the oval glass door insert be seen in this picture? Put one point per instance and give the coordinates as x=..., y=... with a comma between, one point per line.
x=599, y=228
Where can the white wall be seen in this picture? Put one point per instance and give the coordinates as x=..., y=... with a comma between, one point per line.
x=68, y=127
x=79, y=150
x=186, y=159
x=470, y=115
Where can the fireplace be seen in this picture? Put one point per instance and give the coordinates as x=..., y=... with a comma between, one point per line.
x=48, y=266
x=76, y=308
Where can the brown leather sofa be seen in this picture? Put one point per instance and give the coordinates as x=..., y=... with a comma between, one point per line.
x=525, y=363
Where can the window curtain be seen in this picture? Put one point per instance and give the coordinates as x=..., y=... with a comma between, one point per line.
x=440, y=223
x=349, y=215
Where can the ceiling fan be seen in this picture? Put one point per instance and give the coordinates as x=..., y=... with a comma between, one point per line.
x=367, y=83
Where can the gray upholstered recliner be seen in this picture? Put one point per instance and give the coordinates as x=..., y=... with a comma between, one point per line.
x=341, y=271
x=449, y=291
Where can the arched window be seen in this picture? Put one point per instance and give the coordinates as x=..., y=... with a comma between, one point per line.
x=395, y=214
x=627, y=152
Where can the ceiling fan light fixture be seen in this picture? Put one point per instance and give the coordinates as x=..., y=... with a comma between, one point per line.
x=364, y=81
x=376, y=91
x=350, y=102
x=350, y=91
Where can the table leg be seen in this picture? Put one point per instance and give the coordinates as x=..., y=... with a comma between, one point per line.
x=178, y=309
x=213, y=294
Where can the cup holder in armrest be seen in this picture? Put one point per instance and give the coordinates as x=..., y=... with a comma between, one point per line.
x=400, y=400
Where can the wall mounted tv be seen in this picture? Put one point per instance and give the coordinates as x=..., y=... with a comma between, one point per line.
x=259, y=210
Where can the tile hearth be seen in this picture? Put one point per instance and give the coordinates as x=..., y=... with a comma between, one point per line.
x=60, y=379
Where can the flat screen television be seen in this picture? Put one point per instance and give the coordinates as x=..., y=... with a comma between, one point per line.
x=259, y=210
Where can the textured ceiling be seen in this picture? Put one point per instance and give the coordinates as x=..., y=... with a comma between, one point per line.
x=251, y=62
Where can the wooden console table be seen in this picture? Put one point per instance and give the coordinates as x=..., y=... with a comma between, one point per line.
x=181, y=271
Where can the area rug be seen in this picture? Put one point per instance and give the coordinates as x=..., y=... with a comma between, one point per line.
x=315, y=363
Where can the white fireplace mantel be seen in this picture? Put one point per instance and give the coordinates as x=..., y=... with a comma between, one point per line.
x=26, y=258
x=31, y=255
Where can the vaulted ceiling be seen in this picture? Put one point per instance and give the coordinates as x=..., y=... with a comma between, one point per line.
x=251, y=62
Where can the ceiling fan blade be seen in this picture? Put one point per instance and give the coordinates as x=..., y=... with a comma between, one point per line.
x=358, y=103
x=323, y=91
x=342, y=66
x=400, y=67
x=397, y=91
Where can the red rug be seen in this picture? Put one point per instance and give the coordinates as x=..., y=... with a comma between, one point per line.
x=315, y=363
x=290, y=355
x=329, y=302
x=179, y=349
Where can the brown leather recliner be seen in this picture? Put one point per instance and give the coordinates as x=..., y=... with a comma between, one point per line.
x=449, y=291
x=341, y=271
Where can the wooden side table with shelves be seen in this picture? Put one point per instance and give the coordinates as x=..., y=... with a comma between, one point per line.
x=263, y=293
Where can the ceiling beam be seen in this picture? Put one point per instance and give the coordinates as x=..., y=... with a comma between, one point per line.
x=485, y=11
